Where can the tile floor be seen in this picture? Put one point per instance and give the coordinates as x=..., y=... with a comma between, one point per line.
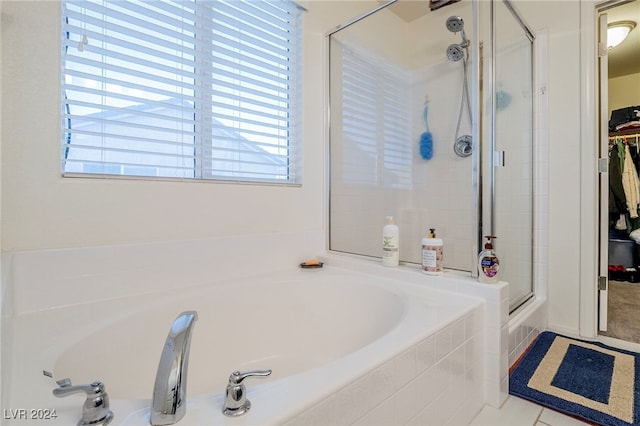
x=519, y=412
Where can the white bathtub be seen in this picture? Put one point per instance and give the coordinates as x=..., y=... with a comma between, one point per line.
x=341, y=344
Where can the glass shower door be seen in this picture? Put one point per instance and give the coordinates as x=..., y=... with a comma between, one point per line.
x=513, y=153
x=390, y=76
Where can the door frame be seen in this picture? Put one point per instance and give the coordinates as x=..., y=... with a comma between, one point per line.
x=589, y=193
x=592, y=248
x=603, y=171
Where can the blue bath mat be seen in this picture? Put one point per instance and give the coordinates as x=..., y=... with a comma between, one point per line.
x=587, y=380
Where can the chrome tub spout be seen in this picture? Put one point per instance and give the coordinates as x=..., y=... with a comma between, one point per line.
x=168, y=404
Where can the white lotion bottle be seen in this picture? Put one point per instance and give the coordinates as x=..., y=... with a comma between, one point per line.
x=432, y=254
x=390, y=243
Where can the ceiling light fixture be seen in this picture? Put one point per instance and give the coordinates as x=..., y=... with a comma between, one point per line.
x=618, y=31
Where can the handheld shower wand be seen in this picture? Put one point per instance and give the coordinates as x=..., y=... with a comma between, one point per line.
x=463, y=144
x=455, y=52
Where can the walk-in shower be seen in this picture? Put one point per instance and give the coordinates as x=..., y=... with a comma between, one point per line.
x=383, y=68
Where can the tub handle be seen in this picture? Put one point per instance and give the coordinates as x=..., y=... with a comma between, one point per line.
x=95, y=410
x=235, y=400
x=238, y=376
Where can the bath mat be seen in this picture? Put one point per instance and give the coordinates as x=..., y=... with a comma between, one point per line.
x=586, y=380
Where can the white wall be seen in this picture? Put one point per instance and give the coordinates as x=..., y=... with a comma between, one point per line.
x=624, y=91
x=561, y=20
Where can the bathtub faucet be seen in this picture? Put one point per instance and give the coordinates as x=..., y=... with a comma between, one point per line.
x=235, y=397
x=168, y=404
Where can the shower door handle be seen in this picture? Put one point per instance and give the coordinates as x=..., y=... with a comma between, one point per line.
x=498, y=159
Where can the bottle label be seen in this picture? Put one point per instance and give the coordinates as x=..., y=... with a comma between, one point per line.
x=389, y=247
x=432, y=258
x=490, y=266
x=389, y=251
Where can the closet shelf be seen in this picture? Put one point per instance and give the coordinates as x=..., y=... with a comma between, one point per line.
x=628, y=132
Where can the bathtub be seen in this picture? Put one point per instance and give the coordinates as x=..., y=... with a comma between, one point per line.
x=345, y=347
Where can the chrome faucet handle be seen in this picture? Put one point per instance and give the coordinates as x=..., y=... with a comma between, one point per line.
x=235, y=399
x=95, y=410
x=238, y=376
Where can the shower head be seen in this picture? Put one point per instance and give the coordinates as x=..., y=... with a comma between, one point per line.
x=455, y=24
x=455, y=52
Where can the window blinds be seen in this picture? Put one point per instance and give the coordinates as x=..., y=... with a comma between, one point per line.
x=182, y=89
x=376, y=121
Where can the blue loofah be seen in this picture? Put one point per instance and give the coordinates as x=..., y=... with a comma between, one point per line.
x=426, y=140
x=426, y=145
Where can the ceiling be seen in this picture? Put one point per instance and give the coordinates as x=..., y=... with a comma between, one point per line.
x=409, y=10
x=624, y=59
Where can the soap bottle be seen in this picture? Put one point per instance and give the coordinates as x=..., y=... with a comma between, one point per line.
x=488, y=263
x=390, y=243
x=432, y=254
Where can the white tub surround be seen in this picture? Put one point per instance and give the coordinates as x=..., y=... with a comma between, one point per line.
x=349, y=343
x=45, y=279
x=496, y=313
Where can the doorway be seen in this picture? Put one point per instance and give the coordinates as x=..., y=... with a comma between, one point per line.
x=620, y=146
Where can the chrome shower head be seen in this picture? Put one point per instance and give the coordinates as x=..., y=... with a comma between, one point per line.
x=455, y=24
x=455, y=52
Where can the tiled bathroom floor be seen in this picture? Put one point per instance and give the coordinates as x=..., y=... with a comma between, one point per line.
x=519, y=412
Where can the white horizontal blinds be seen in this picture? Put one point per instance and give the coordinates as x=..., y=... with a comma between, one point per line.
x=377, y=147
x=254, y=89
x=142, y=96
x=359, y=120
x=130, y=90
x=398, y=145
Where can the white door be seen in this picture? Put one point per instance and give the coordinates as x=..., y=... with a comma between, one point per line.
x=604, y=175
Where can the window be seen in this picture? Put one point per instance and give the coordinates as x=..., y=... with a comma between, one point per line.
x=182, y=89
